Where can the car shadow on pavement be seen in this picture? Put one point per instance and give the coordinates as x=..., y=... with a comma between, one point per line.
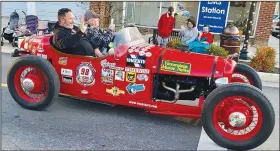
x=118, y=110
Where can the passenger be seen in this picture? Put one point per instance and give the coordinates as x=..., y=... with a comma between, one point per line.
x=68, y=38
x=99, y=40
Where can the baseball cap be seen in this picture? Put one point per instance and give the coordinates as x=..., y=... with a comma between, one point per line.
x=89, y=15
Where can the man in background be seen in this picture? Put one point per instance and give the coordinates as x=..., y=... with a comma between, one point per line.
x=165, y=27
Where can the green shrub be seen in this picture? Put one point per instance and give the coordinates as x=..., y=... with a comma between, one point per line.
x=217, y=50
x=176, y=43
x=264, y=60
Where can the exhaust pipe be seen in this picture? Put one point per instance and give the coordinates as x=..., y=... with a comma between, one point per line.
x=177, y=91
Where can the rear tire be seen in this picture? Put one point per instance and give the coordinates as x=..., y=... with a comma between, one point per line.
x=256, y=137
x=51, y=87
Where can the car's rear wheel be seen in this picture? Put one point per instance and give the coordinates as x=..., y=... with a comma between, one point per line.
x=245, y=74
x=33, y=82
x=238, y=116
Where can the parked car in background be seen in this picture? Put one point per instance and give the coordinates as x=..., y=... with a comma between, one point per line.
x=276, y=28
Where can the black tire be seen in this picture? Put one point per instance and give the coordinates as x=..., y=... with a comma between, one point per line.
x=2, y=43
x=239, y=89
x=52, y=81
x=250, y=72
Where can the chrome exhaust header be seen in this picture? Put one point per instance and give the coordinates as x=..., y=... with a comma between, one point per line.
x=177, y=91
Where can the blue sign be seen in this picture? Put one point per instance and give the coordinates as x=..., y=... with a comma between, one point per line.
x=214, y=14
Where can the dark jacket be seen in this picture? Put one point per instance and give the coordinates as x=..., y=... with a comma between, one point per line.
x=66, y=40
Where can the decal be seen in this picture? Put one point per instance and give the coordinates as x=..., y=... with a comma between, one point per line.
x=131, y=77
x=133, y=88
x=115, y=91
x=85, y=74
x=105, y=63
x=84, y=92
x=40, y=48
x=62, y=61
x=142, y=77
x=42, y=55
x=136, y=61
x=130, y=50
x=177, y=67
x=142, y=53
x=148, y=54
x=118, y=68
x=107, y=76
x=119, y=75
x=25, y=45
x=143, y=104
x=137, y=70
x=67, y=79
x=66, y=72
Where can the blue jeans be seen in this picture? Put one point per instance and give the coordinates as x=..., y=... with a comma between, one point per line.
x=162, y=41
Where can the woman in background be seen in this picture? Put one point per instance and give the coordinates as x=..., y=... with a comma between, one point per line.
x=189, y=34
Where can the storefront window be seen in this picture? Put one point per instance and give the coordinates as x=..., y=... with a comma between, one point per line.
x=239, y=13
x=185, y=10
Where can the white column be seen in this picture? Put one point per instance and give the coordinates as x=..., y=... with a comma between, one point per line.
x=124, y=14
x=160, y=5
x=31, y=8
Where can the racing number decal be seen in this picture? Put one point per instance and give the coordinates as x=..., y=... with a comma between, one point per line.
x=84, y=71
x=85, y=74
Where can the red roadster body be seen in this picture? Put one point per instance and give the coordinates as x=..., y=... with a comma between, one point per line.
x=160, y=80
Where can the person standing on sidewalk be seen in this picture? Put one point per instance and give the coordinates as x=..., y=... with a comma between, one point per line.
x=165, y=26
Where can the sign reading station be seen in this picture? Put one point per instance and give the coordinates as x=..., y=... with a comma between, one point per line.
x=213, y=14
x=178, y=67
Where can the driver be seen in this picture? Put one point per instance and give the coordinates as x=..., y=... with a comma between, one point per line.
x=69, y=38
x=99, y=40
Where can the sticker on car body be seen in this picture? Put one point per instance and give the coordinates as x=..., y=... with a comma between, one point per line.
x=66, y=72
x=107, y=76
x=85, y=74
x=115, y=91
x=133, y=88
x=131, y=77
x=67, y=79
x=136, y=61
x=178, y=67
x=119, y=75
x=137, y=70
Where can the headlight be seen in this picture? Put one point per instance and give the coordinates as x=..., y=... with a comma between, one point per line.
x=221, y=81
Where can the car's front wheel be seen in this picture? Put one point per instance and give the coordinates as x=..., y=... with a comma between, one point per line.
x=33, y=82
x=238, y=116
x=246, y=74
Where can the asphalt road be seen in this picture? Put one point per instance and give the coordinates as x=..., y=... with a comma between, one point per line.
x=73, y=124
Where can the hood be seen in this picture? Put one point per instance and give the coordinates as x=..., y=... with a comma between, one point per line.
x=191, y=64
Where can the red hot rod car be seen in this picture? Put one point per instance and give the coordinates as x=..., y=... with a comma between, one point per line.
x=226, y=95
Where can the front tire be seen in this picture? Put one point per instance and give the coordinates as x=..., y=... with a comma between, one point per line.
x=229, y=111
x=33, y=82
x=246, y=74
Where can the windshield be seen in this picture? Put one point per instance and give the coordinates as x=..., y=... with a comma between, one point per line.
x=127, y=37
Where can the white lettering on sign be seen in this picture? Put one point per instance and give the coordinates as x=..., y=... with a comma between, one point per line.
x=66, y=72
x=137, y=70
x=216, y=3
x=213, y=10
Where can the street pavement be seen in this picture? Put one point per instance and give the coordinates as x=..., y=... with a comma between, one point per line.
x=73, y=124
